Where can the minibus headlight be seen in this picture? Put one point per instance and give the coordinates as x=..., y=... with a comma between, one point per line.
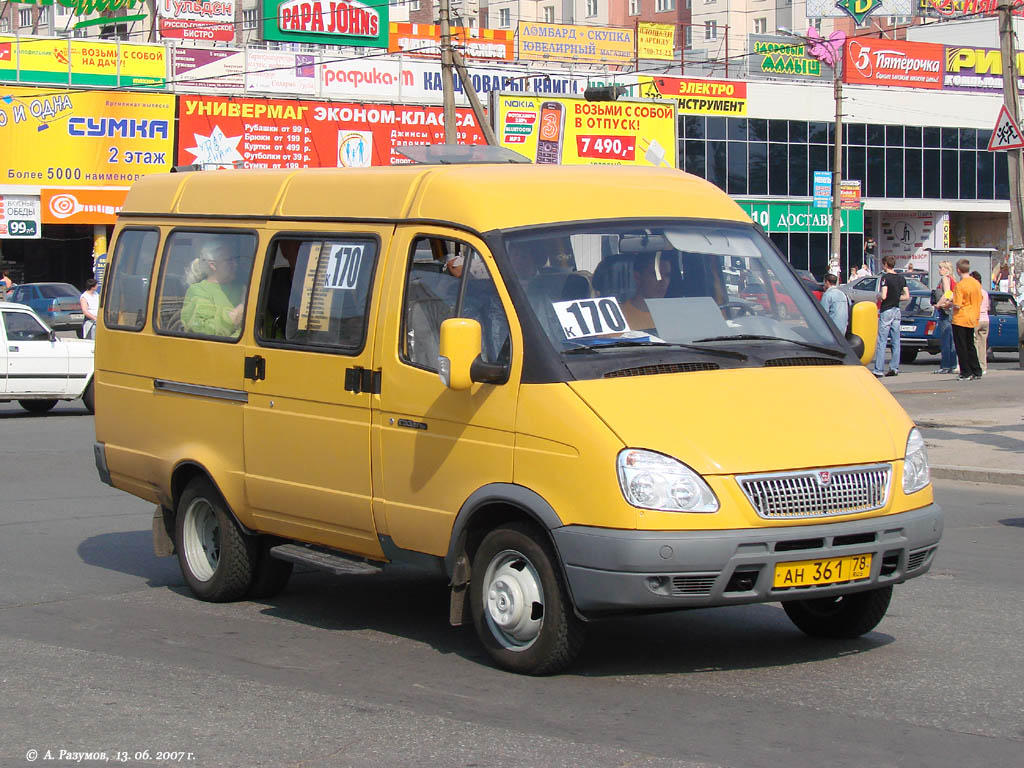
x=653, y=481
x=916, y=474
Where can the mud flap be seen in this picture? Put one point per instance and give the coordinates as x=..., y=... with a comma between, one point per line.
x=458, y=611
x=163, y=544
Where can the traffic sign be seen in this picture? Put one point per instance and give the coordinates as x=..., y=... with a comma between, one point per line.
x=1006, y=134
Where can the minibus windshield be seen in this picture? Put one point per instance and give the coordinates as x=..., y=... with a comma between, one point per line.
x=714, y=288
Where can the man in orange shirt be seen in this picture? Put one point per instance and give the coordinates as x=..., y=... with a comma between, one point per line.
x=966, y=303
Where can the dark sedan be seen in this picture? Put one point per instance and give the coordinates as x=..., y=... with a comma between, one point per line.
x=920, y=319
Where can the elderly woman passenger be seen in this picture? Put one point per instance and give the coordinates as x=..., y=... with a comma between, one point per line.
x=215, y=300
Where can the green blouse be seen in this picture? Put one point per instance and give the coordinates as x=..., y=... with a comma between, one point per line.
x=207, y=306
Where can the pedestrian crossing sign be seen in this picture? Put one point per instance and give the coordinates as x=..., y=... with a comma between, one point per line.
x=1006, y=134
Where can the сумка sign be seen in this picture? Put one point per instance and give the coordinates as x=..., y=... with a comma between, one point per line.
x=348, y=22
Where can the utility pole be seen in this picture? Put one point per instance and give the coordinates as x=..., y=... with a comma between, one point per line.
x=837, y=164
x=1011, y=98
x=447, y=83
x=474, y=100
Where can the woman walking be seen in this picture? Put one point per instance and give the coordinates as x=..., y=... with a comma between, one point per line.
x=981, y=332
x=944, y=330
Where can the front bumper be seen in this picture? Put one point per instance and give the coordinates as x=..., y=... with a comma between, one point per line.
x=616, y=571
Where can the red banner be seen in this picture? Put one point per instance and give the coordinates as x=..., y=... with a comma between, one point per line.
x=218, y=131
x=897, y=63
x=189, y=29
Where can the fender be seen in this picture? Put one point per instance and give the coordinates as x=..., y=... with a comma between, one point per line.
x=517, y=496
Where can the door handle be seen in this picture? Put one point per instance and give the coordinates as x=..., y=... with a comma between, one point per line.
x=255, y=368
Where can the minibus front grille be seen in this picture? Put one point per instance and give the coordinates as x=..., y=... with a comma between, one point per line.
x=818, y=492
x=786, y=361
x=650, y=370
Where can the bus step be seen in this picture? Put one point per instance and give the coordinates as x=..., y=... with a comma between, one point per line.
x=325, y=559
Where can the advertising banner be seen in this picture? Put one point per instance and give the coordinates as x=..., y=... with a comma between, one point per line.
x=281, y=72
x=859, y=10
x=800, y=217
x=577, y=132
x=784, y=58
x=327, y=22
x=656, y=41
x=81, y=62
x=84, y=138
x=907, y=234
x=219, y=69
x=419, y=80
x=698, y=97
x=425, y=40
x=822, y=189
x=898, y=63
x=849, y=194
x=82, y=206
x=19, y=217
x=977, y=69
x=953, y=9
x=566, y=42
x=211, y=20
x=218, y=131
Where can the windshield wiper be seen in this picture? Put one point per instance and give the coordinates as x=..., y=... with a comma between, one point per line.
x=620, y=344
x=758, y=337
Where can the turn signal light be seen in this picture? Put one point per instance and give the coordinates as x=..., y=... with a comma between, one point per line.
x=929, y=327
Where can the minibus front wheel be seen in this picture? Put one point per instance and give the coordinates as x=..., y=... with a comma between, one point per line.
x=842, y=616
x=216, y=557
x=521, y=608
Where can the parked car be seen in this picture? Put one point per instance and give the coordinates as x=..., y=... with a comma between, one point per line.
x=57, y=303
x=40, y=367
x=917, y=274
x=920, y=320
x=866, y=288
x=779, y=303
x=811, y=283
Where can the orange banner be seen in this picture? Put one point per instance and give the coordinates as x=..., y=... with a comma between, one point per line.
x=425, y=40
x=81, y=206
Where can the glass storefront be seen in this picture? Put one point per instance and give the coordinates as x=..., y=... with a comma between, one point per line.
x=756, y=156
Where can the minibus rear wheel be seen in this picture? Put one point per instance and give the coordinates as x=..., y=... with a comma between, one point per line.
x=216, y=557
x=521, y=608
x=843, y=616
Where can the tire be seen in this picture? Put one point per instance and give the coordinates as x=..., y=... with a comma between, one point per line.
x=37, y=406
x=515, y=565
x=88, y=398
x=216, y=557
x=271, y=575
x=908, y=355
x=844, y=616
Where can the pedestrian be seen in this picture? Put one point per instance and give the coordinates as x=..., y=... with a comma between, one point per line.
x=863, y=271
x=892, y=290
x=944, y=329
x=90, y=301
x=981, y=332
x=835, y=303
x=1001, y=277
x=966, y=304
x=5, y=285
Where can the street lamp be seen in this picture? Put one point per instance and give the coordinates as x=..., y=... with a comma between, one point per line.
x=830, y=51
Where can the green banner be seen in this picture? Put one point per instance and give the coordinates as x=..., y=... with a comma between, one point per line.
x=800, y=217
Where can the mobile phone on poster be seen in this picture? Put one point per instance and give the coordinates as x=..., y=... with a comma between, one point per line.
x=552, y=131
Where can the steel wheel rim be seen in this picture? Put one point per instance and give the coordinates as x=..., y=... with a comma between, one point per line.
x=201, y=539
x=513, y=598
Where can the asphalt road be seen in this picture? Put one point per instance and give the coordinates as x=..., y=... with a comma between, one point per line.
x=103, y=649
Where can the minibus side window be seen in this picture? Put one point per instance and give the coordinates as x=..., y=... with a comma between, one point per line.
x=204, y=281
x=126, y=299
x=438, y=270
x=316, y=292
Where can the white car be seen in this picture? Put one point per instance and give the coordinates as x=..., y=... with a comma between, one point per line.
x=40, y=368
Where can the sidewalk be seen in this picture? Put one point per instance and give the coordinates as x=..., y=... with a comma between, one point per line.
x=974, y=430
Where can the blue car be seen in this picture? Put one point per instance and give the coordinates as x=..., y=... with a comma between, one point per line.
x=59, y=304
x=920, y=320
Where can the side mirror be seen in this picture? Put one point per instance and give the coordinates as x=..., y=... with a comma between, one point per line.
x=460, y=346
x=864, y=329
x=53, y=335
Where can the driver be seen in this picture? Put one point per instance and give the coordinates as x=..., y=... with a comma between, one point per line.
x=651, y=276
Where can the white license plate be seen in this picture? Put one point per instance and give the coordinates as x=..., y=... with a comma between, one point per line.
x=908, y=328
x=79, y=316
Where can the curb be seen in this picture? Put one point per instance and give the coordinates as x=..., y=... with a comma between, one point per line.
x=977, y=475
